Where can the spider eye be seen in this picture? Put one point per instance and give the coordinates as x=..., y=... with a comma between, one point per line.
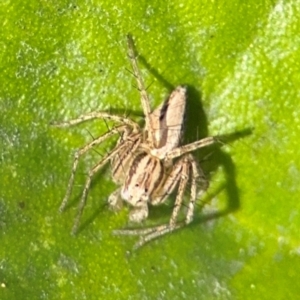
x=146, y=190
x=136, y=184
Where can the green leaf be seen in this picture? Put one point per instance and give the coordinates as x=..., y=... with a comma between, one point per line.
x=60, y=59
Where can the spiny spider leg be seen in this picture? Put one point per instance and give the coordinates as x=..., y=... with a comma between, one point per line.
x=83, y=150
x=182, y=185
x=155, y=233
x=195, y=176
x=179, y=151
x=98, y=115
x=91, y=173
x=144, y=97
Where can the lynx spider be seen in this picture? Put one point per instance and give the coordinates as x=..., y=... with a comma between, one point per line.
x=142, y=160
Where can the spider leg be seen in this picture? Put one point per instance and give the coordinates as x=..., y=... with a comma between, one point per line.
x=82, y=151
x=140, y=83
x=197, y=175
x=121, y=162
x=182, y=186
x=155, y=233
x=179, y=151
x=98, y=115
x=91, y=173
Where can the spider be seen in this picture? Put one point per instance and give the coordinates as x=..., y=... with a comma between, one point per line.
x=147, y=164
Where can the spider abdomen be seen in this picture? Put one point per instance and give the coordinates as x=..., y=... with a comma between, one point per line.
x=143, y=177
